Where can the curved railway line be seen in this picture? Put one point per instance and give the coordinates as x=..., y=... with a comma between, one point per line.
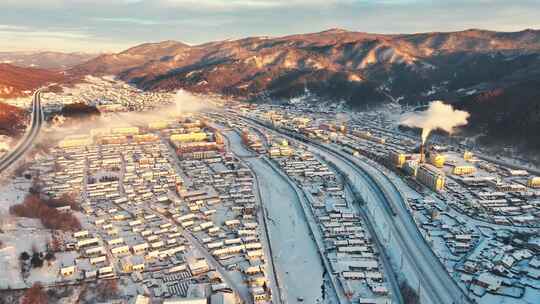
x=436, y=282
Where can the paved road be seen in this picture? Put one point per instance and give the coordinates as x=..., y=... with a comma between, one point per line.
x=437, y=285
x=26, y=142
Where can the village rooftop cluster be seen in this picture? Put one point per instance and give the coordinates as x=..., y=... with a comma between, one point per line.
x=447, y=186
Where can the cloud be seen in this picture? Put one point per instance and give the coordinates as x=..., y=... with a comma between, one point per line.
x=20, y=38
x=28, y=32
x=10, y=27
x=206, y=4
x=114, y=24
x=191, y=21
x=57, y=3
x=128, y=20
x=250, y=4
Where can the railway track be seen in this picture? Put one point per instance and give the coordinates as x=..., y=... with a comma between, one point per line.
x=436, y=282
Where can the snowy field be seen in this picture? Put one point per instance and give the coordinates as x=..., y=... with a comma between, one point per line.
x=27, y=234
x=18, y=235
x=12, y=192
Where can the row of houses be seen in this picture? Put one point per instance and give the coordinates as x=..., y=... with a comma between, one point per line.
x=218, y=207
x=352, y=255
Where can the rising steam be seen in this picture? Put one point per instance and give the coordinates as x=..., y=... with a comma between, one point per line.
x=438, y=116
x=181, y=102
x=187, y=102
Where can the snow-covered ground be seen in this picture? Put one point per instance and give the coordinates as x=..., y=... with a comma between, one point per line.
x=19, y=235
x=27, y=234
x=395, y=240
x=12, y=193
x=298, y=264
x=295, y=252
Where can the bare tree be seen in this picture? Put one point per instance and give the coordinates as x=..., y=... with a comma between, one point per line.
x=35, y=295
x=108, y=288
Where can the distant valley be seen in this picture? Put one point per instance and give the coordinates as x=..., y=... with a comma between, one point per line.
x=45, y=59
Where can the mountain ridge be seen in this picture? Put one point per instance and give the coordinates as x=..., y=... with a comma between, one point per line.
x=45, y=59
x=362, y=69
x=335, y=50
x=18, y=81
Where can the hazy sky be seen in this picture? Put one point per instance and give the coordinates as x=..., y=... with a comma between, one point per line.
x=113, y=25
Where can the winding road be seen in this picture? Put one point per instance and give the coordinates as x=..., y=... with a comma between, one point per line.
x=26, y=142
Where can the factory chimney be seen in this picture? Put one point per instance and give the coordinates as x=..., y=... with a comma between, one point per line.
x=422, y=153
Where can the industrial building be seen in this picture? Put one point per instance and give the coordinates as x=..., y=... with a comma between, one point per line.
x=534, y=182
x=369, y=136
x=467, y=155
x=437, y=159
x=189, y=137
x=410, y=167
x=125, y=130
x=397, y=158
x=279, y=149
x=112, y=139
x=431, y=177
x=463, y=169
x=148, y=137
x=75, y=141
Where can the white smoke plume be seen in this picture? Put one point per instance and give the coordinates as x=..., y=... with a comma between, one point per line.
x=187, y=102
x=182, y=102
x=438, y=116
